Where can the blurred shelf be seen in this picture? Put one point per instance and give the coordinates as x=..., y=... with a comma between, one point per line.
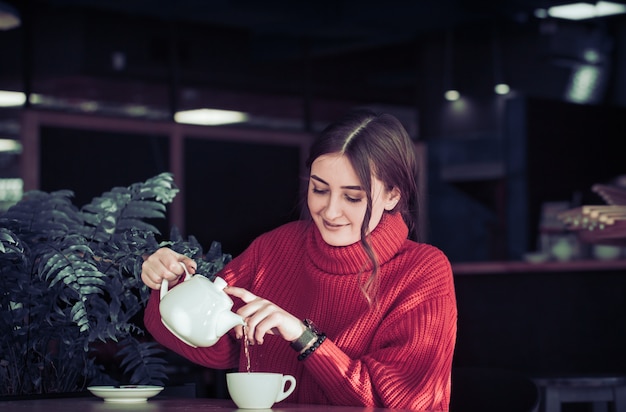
x=490, y=268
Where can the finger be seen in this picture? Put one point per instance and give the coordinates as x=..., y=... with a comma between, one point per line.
x=239, y=331
x=150, y=276
x=149, y=281
x=262, y=329
x=164, y=264
x=262, y=322
x=174, y=265
x=249, y=313
x=241, y=293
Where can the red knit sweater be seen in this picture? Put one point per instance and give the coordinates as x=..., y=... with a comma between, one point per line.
x=397, y=354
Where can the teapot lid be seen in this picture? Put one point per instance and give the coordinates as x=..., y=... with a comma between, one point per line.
x=219, y=283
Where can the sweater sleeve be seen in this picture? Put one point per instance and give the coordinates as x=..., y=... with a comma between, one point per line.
x=410, y=362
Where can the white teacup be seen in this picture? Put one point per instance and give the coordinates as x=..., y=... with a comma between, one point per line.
x=259, y=390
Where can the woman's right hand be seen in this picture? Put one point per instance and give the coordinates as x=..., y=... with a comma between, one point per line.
x=165, y=264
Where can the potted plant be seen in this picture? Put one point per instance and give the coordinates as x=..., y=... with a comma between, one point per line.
x=70, y=288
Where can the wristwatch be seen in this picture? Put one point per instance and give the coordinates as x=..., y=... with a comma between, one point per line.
x=310, y=333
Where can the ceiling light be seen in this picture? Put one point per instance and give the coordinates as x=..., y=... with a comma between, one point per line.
x=210, y=117
x=502, y=89
x=584, y=84
x=592, y=56
x=10, y=145
x=11, y=192
x=608, y=8
x=88, y=106
x=11, y=99
x=452, y=95
x=136, y=110
x=582, y=11
x=9, y=17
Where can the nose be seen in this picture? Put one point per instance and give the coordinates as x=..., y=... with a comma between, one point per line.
x=333, y=208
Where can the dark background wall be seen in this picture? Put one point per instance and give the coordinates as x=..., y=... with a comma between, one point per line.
x=267, y=194
x=543, y=323
x=234, y=191
x=293, y=68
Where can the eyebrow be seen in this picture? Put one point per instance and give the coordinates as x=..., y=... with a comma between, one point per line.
x=319, y=179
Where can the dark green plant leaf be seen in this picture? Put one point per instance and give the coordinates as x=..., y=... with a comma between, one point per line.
x=143, y=362
x=70, y=279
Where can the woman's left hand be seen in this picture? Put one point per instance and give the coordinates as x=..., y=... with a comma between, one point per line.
x=263, y=317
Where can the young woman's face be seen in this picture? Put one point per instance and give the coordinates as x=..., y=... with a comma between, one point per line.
x=337, y=201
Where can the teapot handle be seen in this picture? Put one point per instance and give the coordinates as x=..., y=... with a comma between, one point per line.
x=165, y=283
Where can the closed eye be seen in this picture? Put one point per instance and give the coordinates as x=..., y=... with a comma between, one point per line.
x=350, y=199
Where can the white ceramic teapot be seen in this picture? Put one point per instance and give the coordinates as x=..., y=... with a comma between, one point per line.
x=197, y=310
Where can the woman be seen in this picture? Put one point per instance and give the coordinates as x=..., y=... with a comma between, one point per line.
x=385, y=304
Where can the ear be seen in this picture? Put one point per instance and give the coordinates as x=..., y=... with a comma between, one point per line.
x=393, y=197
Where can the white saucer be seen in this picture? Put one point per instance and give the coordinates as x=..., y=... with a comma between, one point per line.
x=125, y=393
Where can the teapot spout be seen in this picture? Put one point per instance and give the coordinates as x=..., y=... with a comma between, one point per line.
x=226, y=321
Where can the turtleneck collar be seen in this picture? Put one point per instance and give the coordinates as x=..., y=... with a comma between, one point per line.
x=386, y=239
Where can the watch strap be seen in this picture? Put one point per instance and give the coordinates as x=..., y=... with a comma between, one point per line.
x=320, y=339
x=307, y=336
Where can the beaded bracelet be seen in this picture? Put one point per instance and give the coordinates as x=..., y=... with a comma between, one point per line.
x=313, y=347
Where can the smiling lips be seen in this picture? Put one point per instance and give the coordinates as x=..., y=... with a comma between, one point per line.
x=331, y=226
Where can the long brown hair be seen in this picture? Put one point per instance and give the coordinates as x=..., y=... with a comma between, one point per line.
x=378, y=145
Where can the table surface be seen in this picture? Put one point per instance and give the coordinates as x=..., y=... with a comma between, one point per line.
x=159, y=404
